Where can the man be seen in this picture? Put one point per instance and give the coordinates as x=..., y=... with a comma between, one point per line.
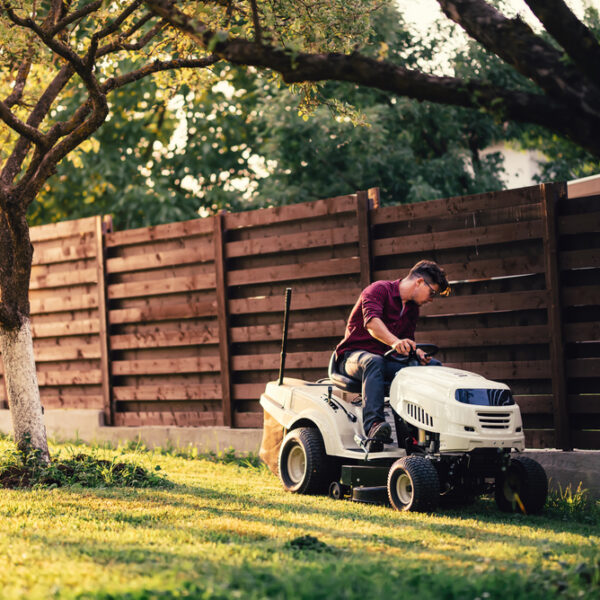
x=384, y=317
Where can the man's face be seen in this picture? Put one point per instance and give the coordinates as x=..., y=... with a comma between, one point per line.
x=424, y=292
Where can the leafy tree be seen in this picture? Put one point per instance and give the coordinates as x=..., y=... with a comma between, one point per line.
x=412, y=150
x=60, y=64
x=314, y=41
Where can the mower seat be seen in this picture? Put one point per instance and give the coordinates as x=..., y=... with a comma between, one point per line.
x=341, y=381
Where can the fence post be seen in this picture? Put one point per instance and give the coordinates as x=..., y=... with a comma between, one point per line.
x=363, y=205
x=104, y=226
x=223, y=317
x=551, y=194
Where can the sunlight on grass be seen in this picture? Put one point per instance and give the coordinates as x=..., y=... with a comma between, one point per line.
x=224, y=530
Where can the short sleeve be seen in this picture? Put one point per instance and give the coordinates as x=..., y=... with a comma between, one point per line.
x=373, y=301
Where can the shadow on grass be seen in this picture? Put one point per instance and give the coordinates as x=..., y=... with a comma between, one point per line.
x=223, y=544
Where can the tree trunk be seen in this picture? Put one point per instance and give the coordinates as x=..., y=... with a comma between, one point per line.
x=22, y=389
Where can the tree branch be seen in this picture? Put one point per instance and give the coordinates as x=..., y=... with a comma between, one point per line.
x=38, y=114
x=145, y=39
x=110, y=28
x=516, y=43
x=31, y=133
x=578, y=41
x=552, y=110
x=75, y=16
x=20, y=81
x=116, y=82
x=256, y=22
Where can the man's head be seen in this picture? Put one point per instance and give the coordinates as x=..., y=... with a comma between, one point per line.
x=425, y=281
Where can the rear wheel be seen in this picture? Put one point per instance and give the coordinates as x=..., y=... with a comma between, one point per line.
x=523, y=487
x=413, y=484
x=303, y=465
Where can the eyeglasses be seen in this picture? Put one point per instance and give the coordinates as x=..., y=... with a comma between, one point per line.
x=432, y=292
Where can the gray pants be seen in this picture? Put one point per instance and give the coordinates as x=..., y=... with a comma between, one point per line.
x=375, y=372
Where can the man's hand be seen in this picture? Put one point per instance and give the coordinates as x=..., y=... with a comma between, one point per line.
x=423, y=358
x=404, y=346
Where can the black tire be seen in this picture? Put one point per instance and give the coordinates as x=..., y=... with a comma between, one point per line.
x=413, y=484
x=303, y=465
x=526, y=478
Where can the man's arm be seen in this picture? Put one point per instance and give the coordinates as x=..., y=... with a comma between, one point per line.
x=376, y=328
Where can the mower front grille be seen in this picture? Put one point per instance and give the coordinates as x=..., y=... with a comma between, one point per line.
x=418, y=414
x=494, y=420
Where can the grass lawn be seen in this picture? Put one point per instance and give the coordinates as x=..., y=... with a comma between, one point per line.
x=224, y=530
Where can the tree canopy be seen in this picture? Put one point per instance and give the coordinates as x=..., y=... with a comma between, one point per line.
x=243, y=143
x=318, y=41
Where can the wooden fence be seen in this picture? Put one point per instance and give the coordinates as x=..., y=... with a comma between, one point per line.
x=180, y=324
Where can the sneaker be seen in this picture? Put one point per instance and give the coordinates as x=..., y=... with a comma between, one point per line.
x=380, y=431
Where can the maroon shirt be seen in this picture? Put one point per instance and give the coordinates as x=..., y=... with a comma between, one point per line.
x=381, y=299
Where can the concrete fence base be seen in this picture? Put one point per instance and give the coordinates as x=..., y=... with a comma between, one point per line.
x=563, y=468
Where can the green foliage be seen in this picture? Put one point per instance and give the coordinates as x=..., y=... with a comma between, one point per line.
x=247, y=142
x=569, y=504
x=23, y=469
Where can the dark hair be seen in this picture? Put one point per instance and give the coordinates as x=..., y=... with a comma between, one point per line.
x=430, y=271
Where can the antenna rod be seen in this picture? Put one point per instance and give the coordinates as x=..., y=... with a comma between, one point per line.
x=286, y=317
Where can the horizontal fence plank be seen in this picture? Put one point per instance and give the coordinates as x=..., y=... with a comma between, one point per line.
x=298, y=241
x=584, y=368
x=540, y=438
x=166, y=366
x=157, y=260
x=586, y=439
x=161, y=339
x=64, y=279
x=575, y=224
x=313, y=300
x=64, y=304
x=175, y=419
x=455, y=206
x=261, y=333
x=65, y=254
x=65, y=328
x=534, y=404
x=486, y=303
x=64, y=401
x=266, y=362
x=483, y=336
x=161, y=286
x=474, y=270
x=64, y=229
x=585, y=404
x=579, y=259
x=67, y=353
x=527, y=369
x=243, y=391
x=472, y=236
x=295, y=271
x=292, y=212
x=582, y=332
x=168, y=392
x=251, y=420
x=584, y=295
x=145, y=235
x=91, y=377
x=163, y=312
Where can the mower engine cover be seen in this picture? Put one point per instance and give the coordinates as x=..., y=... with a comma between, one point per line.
x=467, y=410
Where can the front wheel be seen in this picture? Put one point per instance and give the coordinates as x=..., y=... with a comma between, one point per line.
x=303, y=464
x=413, y=484
x=523, y=487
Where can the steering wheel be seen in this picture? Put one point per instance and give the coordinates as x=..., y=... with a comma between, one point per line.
x=429, y=349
